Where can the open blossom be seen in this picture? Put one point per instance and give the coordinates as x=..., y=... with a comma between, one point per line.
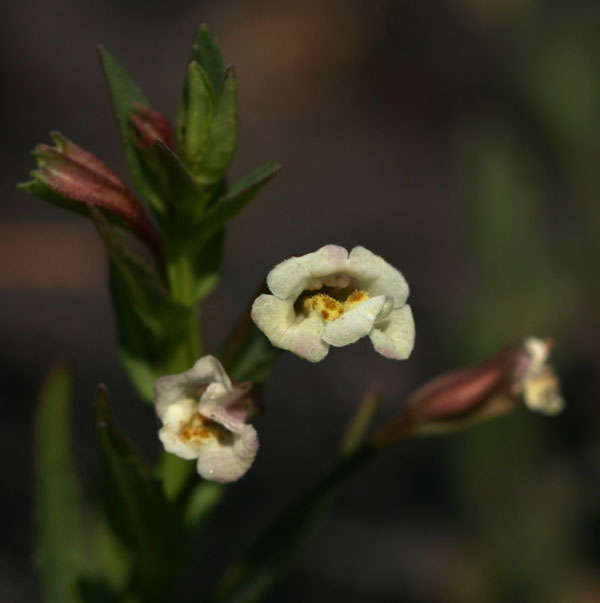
x=204, y=417
x=517, y=374
x=332, y=297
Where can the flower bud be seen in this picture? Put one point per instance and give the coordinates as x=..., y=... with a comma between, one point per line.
x=148, y=126
x=78, y=180
x=493, y=387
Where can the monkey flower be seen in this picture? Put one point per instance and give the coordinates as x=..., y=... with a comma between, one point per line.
x=330, y=297
x=204, y=417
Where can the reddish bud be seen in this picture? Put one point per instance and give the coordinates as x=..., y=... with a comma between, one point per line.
x=149, y=126
x=490, y=388
x=80, y=178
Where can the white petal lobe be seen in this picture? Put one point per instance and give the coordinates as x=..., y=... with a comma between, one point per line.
x=377, y=276
x=395, y=337
x=227, y=463
x=355, y=323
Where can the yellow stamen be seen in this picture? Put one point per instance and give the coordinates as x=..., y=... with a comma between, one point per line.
x=199, y=429
x=329, y=308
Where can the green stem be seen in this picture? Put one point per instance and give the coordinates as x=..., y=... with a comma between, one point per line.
x=176, y=472
x=183, y=289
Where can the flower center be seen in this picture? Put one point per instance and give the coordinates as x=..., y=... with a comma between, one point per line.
x=199, y=429
x=330, y=305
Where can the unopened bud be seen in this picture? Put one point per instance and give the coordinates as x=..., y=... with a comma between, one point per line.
x=79, y=180
x=148, y=126
x=491, y=388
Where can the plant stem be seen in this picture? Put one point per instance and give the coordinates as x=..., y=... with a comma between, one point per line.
x=182, y=286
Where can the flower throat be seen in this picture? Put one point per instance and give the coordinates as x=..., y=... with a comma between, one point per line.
x=330, y=302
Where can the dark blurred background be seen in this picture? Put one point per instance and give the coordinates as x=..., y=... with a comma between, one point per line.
x=461, y=141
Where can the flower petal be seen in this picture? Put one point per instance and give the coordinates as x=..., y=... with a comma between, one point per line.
x=232, y=416
x=227, y=462
x=355, y=323
x=292, y=276
x=304, y=339
x=277, y=320
x=172, y=388
x=542, y=392
x=327, y=261
x=173, y=443
x=377, y=276
x=273, y=316
x=288, y=279
x=395, y=337
x=538, y=351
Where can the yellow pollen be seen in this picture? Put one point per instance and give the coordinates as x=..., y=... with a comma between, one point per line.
x=199, y=429
x=330, y=308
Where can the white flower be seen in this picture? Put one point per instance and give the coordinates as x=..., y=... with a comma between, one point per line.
x=204, y=417
x=330, y=297
x=538, y=382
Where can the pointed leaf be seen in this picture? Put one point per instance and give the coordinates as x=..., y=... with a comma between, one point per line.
x=182, y=193
x=136, y=506
x=222, y=134
x=126, y=96
x=201, y=502
x=206, y=52
x=359, y=424
x=241, y=193
x=151, y=326
x=194, y=115
x=58, y=500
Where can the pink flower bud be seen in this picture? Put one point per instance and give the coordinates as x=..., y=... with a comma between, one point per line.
x=488, y=389
x=83, y=181
x=149, y=125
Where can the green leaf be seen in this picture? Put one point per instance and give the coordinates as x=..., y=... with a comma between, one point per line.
x=136, y=507
x=248, y=355
x=207, y=115
x=360, y=423
x=194, y=115
x=222, y=134
x=206, y=52
x=201, y=502
x=207, y=125
x=176, y=474
x=126, y=95
x=206, y=263
x=273, y=554
x=112, y=560
x=240, y=194
x=152, y=328
x=182, y=193
x=58, y=500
